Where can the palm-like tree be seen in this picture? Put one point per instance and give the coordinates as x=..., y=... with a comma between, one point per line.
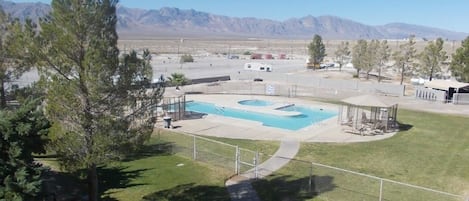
x=178, y=79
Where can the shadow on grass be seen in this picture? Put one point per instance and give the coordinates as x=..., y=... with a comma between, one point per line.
x=279, y=188
x=61, y=186
x=289, y=188
x=116, y=178
x=149, y=150
x=190, y=192
x=404, y=127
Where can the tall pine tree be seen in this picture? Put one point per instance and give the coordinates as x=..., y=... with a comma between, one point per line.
x=359, y=56
x=100, y=108
x=432, y=57
x=14, y=57
x=404, y=58
x=342, y=54
x=317, y=51
x=460, y=62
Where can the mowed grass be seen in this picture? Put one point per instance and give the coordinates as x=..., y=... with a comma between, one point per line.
x=165, y=170
x=157, y=174
x=432, y=150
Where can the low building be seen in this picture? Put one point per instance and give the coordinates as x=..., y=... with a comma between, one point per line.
x=258, y=67
x=444, y=91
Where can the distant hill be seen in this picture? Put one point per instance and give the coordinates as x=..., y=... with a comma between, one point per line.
x=23, y=10
x=174, y=22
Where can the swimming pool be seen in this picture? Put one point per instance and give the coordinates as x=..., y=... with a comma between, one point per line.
x=307, y=117
x=255, y=102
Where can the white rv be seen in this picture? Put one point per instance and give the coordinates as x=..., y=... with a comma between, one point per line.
x=258, y=67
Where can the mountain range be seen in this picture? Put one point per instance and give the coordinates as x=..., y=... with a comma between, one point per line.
x=174, y=22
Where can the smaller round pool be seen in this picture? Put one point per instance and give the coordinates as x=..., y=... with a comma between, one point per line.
x=255, y=102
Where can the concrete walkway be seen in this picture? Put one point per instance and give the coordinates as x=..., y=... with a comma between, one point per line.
x=240, y=187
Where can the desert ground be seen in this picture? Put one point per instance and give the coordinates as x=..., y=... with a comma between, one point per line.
x=211, y=56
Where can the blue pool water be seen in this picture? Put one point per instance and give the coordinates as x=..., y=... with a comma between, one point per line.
x=255, y=102
x=307, y=117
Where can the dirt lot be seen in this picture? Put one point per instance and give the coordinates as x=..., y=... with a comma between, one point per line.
x=211, y=55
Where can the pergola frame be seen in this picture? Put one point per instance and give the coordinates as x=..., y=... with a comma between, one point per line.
x=368, y=113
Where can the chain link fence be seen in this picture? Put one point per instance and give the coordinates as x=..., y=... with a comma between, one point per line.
x=270, y=88
x=305, y=179
x=230, y=157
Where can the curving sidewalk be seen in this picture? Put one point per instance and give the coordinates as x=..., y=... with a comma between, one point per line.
x=240, y=187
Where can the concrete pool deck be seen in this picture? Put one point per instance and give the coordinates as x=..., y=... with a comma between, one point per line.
x=219, y=126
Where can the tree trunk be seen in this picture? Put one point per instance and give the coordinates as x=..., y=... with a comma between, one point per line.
x=3, y=99
x=402, y=75
x=92, y=183
x=379, y=74
x=431, y=73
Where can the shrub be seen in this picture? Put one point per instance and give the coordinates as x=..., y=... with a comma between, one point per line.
x=187, y=58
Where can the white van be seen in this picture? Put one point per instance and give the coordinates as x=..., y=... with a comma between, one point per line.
x=258, y=67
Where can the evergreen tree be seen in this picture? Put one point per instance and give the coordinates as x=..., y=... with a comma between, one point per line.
x=317, y=51
x=383, y=54
x=14, y=57
x=359, y=56
x=432, y=57
x=404, y=58
x=22, y=134
x=100, y=108
x=342, y=54
x=371, y=57
x=460, y=62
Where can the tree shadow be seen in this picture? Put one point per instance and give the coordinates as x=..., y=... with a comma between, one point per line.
x=288, y=188
x=280, y=188
x=190, y=192
x=149, y=150
x=116, y=178
x=61, y=186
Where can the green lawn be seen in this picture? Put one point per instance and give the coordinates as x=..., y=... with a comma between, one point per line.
x=432, y=151
x=164, y=170
x=160, y=178
x=154, y=173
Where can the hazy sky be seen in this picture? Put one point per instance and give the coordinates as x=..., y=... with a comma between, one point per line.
x=446, y=14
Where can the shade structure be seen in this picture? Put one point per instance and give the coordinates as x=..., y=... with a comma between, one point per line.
x=368, y=101
x=368, y=113
x=445, y=85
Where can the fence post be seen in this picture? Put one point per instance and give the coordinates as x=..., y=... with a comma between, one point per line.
x=237, y=160
x=194, y=151
x=310, y=178
x=380, y=189
x=256, y=161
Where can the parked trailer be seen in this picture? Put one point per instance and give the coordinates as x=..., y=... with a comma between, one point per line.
x=258, y=67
